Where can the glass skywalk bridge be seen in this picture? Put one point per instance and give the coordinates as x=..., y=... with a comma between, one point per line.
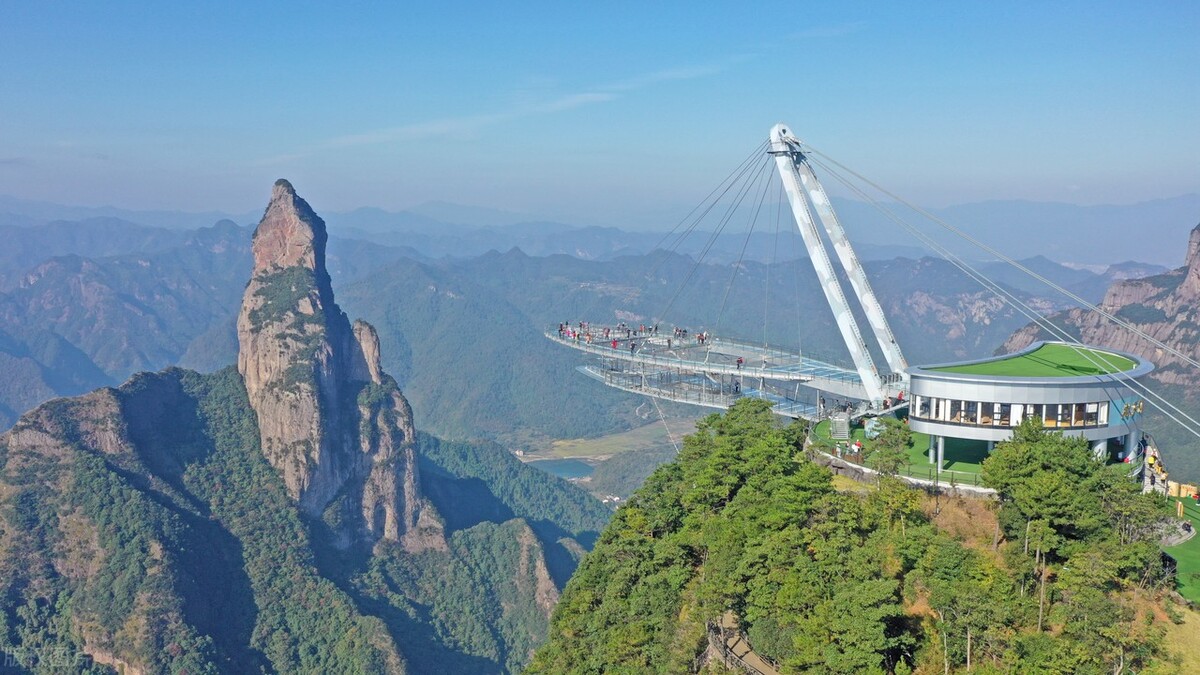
x=716, y=371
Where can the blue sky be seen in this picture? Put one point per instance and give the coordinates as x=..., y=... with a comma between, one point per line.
x=609, y=113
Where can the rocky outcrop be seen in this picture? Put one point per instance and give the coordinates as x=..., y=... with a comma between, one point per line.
x=1165, y=307
x=533, y=577
x=334, y=425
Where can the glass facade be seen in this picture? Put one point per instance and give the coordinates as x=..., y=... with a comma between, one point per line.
x=993, y=414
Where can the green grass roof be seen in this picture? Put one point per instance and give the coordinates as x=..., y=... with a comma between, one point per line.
x=1049, y=360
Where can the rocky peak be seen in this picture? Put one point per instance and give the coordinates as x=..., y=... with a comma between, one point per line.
x=1191, y=283
x=366, y=365
x=1193, y=247
x=290, y=234
x=331, y=421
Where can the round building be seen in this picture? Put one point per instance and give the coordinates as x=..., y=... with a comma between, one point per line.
x=1078, y=390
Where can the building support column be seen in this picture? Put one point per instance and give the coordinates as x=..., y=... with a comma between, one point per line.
x=991, y=446
x=1100, y=448
x=941, y=452
x=932, y=449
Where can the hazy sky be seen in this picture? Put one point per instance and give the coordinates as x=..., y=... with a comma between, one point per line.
x=598, y=112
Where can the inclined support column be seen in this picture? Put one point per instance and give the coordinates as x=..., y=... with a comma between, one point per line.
x=788, y=157
x=854, y=269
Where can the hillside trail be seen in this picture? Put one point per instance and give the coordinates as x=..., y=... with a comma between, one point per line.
x=733, y=644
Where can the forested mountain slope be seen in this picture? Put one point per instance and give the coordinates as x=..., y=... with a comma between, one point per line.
x=1066, y=578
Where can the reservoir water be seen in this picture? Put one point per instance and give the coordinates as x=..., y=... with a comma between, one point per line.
x=564, y=468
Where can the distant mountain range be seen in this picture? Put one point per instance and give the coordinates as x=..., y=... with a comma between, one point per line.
x=86, y=303
x=1094, y=236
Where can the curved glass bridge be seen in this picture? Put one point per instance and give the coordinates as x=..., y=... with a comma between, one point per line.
x=715, y=371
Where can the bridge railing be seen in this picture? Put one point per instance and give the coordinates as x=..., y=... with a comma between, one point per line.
x=748, y=369
x=682, y=390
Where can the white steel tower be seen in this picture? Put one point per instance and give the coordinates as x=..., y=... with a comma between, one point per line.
x=798, y=180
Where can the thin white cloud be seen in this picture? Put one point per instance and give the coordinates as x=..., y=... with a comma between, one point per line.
x=452, y=126
x=670, y=75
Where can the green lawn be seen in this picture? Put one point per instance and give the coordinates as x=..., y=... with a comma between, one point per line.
x=961, y=455
x=1187, y=555
x=1050, y=360
x=963, y=458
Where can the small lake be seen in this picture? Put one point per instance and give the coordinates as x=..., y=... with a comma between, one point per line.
x=564, y=468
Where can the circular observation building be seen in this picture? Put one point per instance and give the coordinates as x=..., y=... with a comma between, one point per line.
x=1080, y=391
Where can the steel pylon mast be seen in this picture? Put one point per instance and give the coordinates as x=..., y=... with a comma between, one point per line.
x=798, y=179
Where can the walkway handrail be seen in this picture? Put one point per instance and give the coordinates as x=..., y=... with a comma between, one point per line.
x=607, y=351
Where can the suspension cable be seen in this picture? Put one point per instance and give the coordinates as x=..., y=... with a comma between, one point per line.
x=741, y=195
x=1073, y=296
x=762, y=195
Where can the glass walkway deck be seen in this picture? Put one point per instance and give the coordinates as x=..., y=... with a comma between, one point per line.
x=714, y=371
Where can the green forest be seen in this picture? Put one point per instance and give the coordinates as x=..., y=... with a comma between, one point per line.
x=141, y=527
x=1062, y=574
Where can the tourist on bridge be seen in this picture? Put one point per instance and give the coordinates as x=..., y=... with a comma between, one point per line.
x=740, y=361
x=614, y=343
x=632, y=347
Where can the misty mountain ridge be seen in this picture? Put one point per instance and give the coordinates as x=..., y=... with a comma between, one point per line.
x=1078, y=235
x=113, y=297
x=166, y=297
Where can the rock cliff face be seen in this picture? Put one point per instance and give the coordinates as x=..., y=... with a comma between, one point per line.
x=332, y=422
x=1165, y=306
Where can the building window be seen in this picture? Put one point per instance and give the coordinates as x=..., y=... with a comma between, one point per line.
x=1050, y=416
x=956, y=411
x=992, y=414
